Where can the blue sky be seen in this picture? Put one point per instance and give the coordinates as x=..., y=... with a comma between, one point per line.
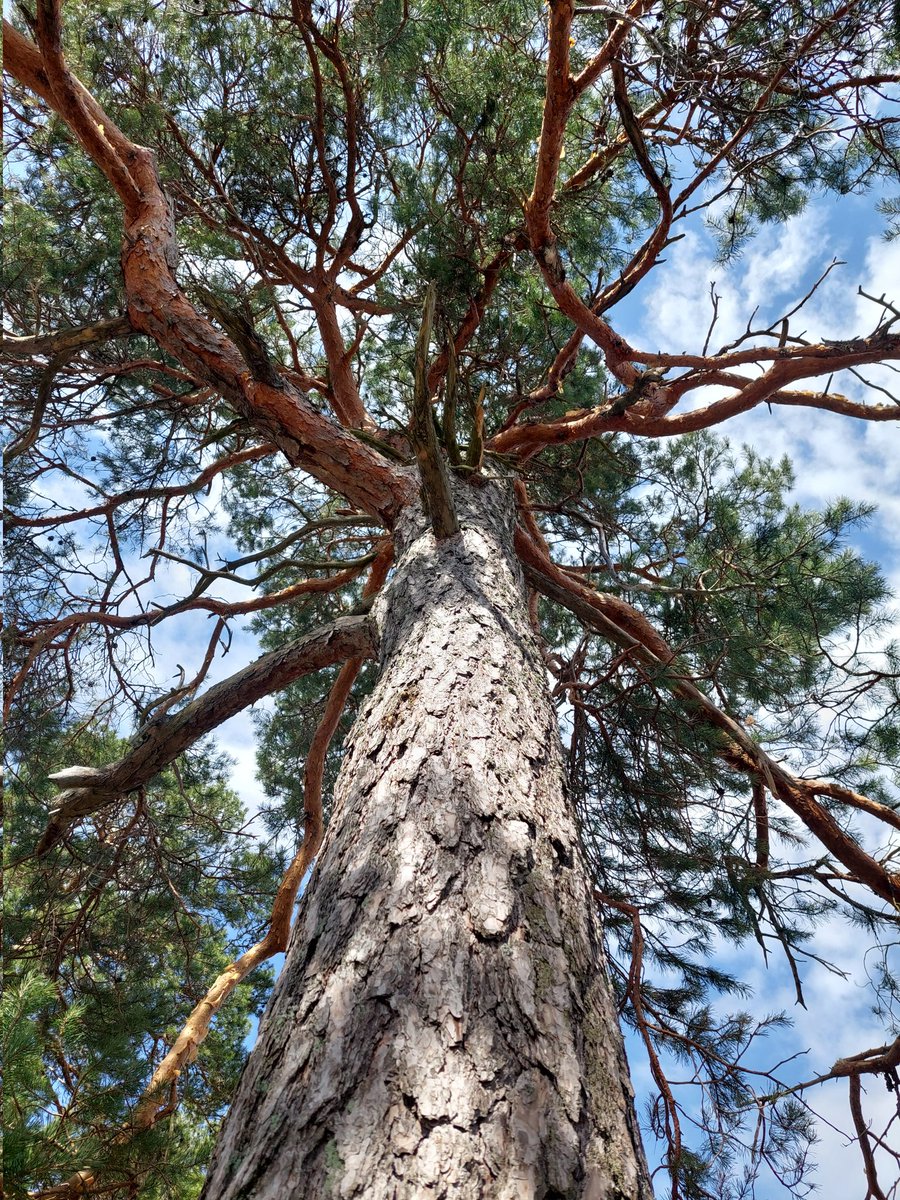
x=833, y=456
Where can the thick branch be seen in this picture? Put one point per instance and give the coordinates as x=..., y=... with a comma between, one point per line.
x=345, y=397
x=157, y=305
x=162, y=739
x=648, y=418
x=561, y=93
x=76, y=338
x=627, y=627
x=102, y=140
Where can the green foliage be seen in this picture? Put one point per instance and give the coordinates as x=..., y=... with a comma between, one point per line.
x=110, y=941
x=759, y=597
x=774, y=613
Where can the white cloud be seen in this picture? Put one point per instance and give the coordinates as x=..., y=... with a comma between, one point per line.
x=881, y=276
x=677, y=308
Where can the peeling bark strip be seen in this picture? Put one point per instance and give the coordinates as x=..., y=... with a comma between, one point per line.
x=443, y=1026
x=162, y=739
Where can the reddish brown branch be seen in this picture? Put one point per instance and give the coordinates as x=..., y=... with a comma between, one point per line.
x=761, y=816
x=845, y=795
x=626, y=626
x=186, y=1046
x=560, y=368
x=237, y=458
x=876, y=1061
x=873, y=1187
x=560, y=95
x=101, y=139
x=647, y=418
x=344, y=393
x=221, y=608
x=158, y=307
x=470, y=321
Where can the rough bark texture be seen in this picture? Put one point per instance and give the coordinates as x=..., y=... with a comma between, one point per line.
x=443, y=1026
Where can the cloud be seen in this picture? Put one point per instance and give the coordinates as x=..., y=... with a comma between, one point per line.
x=770, y=276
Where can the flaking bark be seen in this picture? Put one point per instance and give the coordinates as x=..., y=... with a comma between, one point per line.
x=443, y=1026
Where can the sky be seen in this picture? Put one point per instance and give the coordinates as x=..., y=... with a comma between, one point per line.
x=833, y=456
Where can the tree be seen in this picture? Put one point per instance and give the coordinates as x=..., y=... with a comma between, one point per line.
x=108, y=941
x=348, y=270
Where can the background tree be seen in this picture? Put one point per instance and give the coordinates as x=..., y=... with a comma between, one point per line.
x=107, y=941
x=341, y=276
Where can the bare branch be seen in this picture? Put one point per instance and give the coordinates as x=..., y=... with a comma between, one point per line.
x=161, y=740
x=77, y=338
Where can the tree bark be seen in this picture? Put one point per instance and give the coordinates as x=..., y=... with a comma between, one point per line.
x=443, y=1025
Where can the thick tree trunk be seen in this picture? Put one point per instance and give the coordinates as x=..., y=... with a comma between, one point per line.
x=443, y=1026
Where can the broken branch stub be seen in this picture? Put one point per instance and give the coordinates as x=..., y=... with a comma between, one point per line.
x=433, y=474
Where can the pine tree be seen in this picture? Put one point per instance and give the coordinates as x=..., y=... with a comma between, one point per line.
x=311, y=316
x=105, y=943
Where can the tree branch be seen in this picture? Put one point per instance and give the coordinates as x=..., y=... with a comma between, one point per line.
x=76, y=338
x=160, y=741
x=184, y=1049
x=624, y=625
x=470, y=321
x=157, y=306
x=650, y=419
x=435, y=478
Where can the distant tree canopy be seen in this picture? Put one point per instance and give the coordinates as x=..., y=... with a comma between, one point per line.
x=224, y=222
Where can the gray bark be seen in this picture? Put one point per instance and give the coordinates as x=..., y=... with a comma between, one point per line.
x=443, y=1026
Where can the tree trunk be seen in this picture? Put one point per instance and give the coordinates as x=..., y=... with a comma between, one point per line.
x=443, y=1026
